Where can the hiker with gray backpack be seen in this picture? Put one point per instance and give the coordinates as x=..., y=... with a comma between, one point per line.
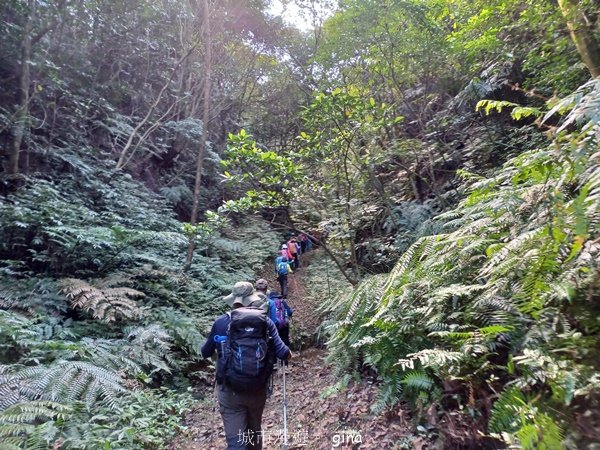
x=247, y=344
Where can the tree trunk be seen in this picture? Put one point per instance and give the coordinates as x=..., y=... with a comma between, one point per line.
x=582, y=35
x=202, y=147
x=24, y=77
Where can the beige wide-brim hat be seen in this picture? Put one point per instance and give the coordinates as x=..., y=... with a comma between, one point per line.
x=242, y=294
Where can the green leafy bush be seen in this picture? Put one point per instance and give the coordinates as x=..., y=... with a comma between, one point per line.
x=95, y=312
x=502, y=295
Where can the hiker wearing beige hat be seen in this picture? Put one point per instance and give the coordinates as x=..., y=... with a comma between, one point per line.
x=247, y=344
x=243, y=294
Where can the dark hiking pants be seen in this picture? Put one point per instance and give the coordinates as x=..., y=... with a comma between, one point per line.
x=283, y=282
x=284, y=334
x=242, y=415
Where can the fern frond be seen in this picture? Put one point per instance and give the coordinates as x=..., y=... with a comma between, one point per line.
x=20, y=422
x=417, y=380
x=389, y=394
x=106, y=304
x=67, y=381
x=151, y=346
x=505, y=411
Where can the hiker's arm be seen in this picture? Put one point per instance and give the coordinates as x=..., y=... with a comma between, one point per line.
x=209, y=347
x=281, y=350
x=289, y=310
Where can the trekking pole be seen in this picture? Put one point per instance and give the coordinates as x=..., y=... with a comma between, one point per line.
x=284, y=446
x=215, y=401
x=215, y=397
x=271, y=387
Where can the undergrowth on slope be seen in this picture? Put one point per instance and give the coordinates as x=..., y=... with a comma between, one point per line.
x=324, y=284
x=100, y=330
x=502, y=304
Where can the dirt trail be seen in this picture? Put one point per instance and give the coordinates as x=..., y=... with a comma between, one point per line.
x=342, y=420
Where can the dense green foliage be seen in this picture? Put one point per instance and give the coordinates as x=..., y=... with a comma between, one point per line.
x=503, y=299
x=100, y=331
x=442, y=151
x=129, y=320
x=487, y=324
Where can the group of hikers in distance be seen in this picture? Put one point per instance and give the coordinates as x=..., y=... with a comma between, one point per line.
x=248, y=341
x=288, y=259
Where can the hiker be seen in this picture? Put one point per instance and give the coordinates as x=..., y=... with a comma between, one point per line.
x=242, y=376
x=293, y=250
x=286, y=252
x=282, y=269
x=298, y=247
x=304, y=243
x=262, y=290
x=262, y=287
x=280, y=313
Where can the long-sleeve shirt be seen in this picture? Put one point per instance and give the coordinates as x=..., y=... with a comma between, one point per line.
x=218, y=334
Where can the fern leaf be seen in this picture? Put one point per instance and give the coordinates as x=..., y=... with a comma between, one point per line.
x=417, y=380
x=106, y=304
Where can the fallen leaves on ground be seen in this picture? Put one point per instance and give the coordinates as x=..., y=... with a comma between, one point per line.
x=342, y=420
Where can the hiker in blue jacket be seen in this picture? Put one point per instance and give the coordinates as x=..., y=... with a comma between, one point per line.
x=282, y=269
x=280, y=313
x=241, y=410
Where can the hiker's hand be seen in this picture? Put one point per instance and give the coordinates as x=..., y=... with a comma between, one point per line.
x=289, y=356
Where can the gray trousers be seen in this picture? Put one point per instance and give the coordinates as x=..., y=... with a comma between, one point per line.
x=242, y=416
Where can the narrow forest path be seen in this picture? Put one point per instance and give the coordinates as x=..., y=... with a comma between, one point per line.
x=341, y=420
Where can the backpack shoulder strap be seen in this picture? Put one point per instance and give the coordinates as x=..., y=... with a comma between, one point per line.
x=228, y=327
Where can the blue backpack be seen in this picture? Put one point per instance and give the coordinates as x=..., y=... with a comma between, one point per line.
x=282, y=266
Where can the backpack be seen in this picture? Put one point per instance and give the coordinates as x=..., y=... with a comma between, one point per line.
x=292, y=249
x=249, y=356
x=282, y=268
x=280, y=312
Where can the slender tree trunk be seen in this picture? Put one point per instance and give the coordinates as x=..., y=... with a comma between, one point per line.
x=204, y=138
x=124, y=158
x=582, y=34
x=24, y=77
